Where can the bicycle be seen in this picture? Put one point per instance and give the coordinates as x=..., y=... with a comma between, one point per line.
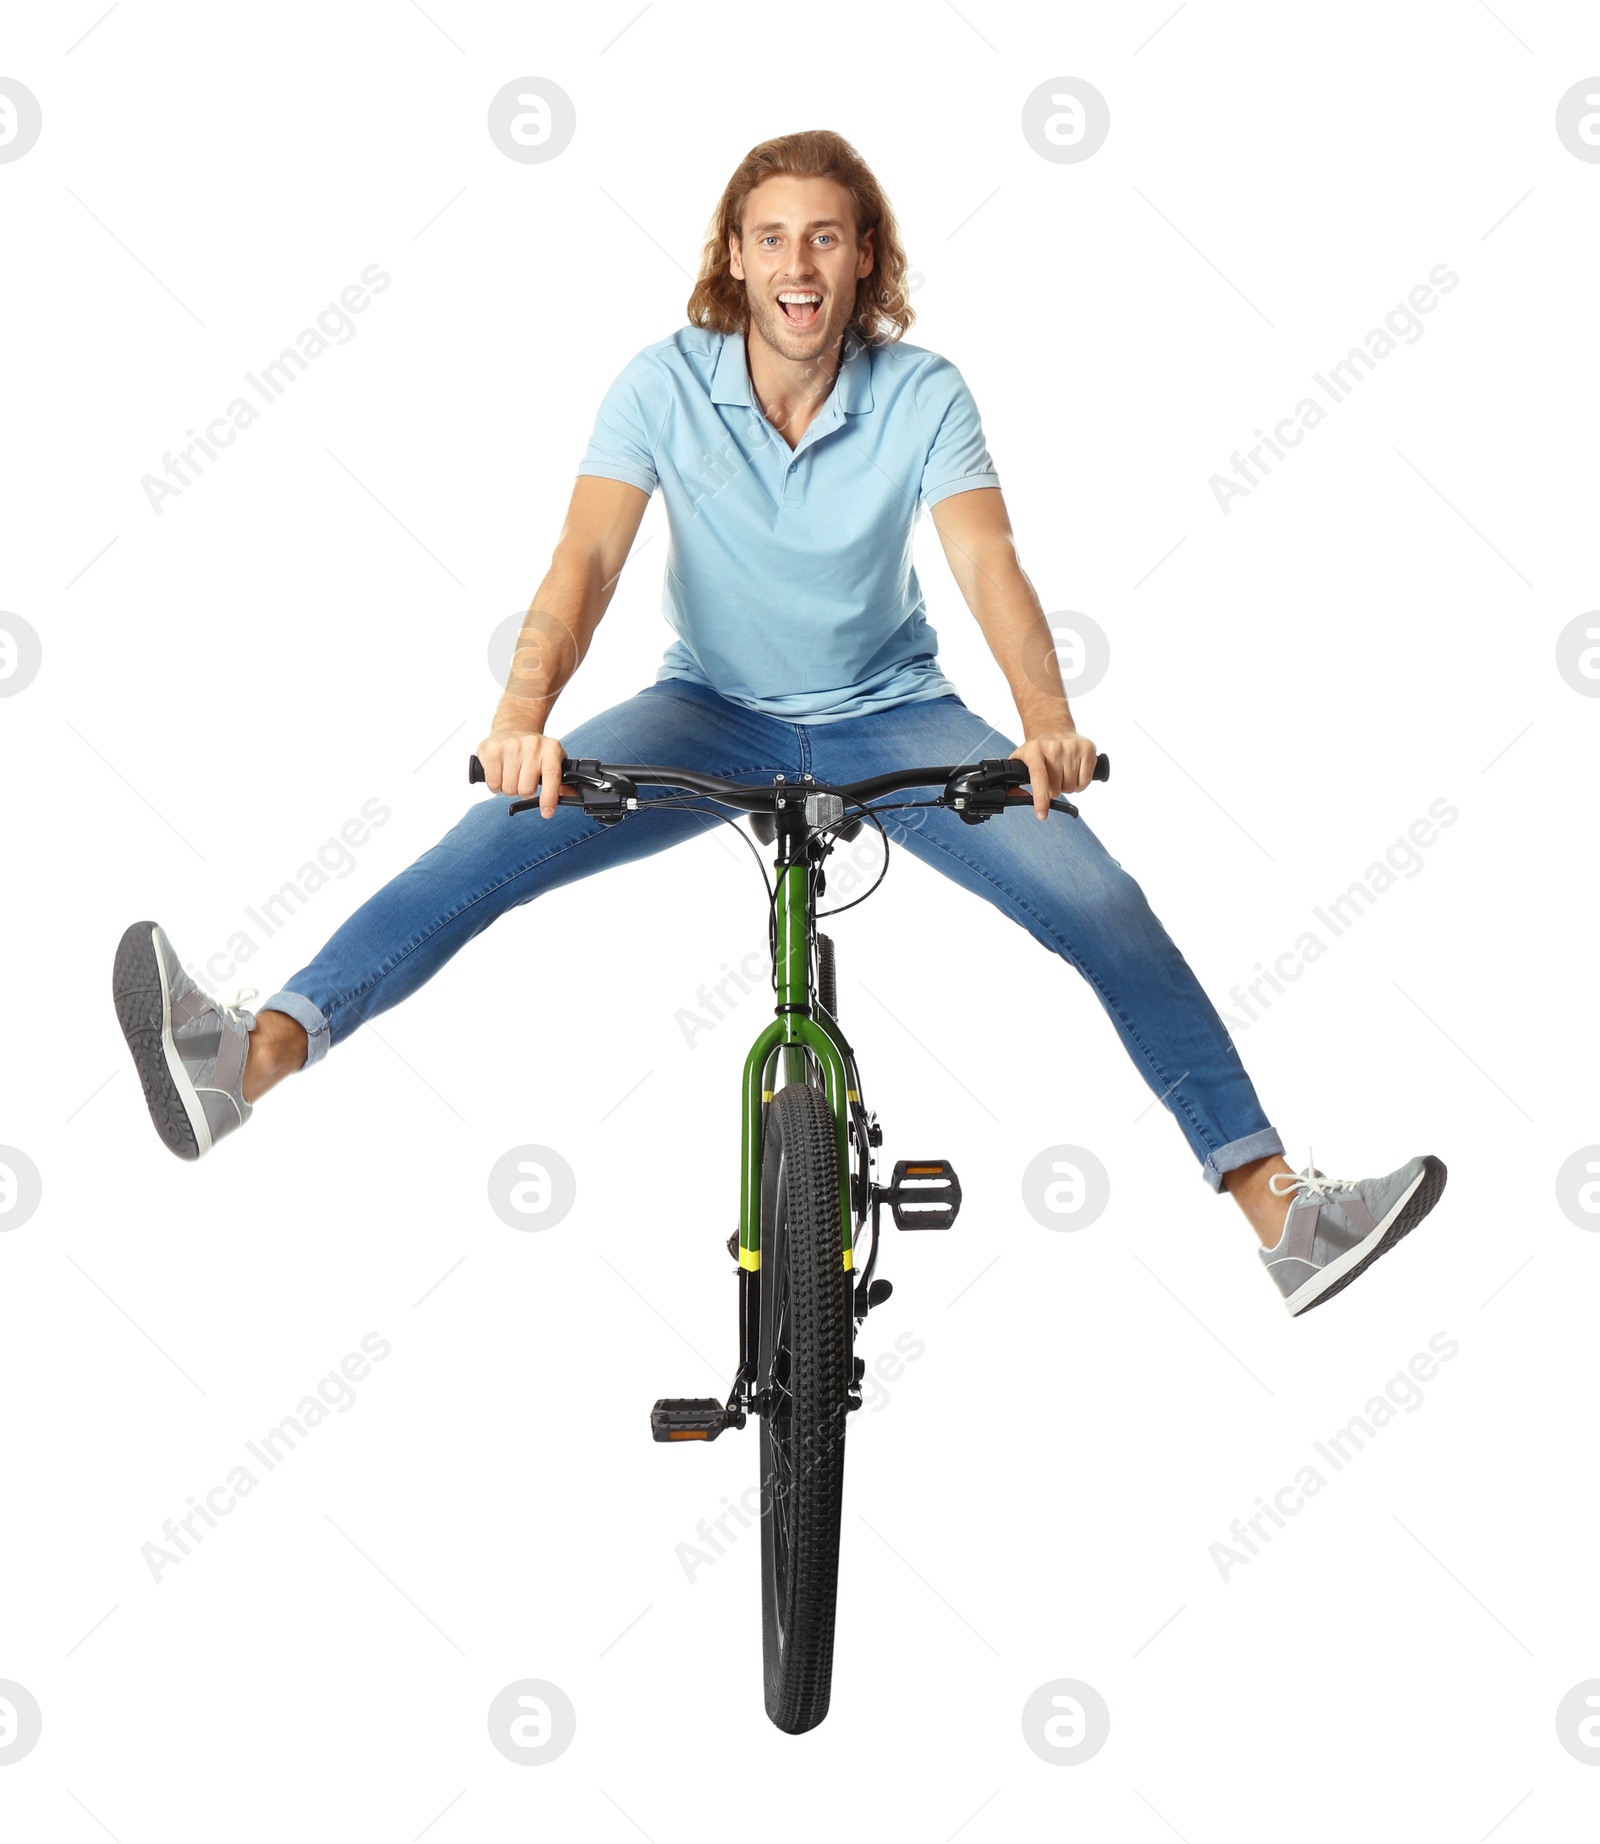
x=808, y=1183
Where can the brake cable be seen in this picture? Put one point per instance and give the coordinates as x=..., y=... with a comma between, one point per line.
x=871, y=813
x=859, y=810
x=666, y=800
x=883, y=872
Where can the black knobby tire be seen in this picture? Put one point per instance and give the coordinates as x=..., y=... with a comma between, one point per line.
x=804, y=1361
x=827, y=976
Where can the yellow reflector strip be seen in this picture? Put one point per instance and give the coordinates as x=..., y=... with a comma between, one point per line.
x=766, y=1094
x=750, y=1258
x=686, y=1434
x=849, y=1260
x=924, y=1171
x=852, y=1094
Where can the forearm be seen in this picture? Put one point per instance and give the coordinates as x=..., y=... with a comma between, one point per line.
x=976, y=534
x=1012, y=621
x=560, y=623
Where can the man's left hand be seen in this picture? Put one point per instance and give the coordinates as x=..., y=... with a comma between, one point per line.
x=1059, y=762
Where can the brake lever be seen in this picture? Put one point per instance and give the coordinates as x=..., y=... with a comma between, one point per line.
x=607, y=798
x=604, y=797
x=990, y=786
x=1023, y=797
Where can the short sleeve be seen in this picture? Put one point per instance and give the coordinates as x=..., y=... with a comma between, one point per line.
x=631, y=413
x=957, y=457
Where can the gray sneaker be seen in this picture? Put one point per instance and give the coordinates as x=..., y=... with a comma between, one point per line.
x=1334, y=1230
x=189, y=1050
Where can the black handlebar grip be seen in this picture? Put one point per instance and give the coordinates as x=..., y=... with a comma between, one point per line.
x=475, y=770
x=1102, y=769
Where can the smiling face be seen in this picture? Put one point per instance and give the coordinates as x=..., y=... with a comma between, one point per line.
x=800, y=258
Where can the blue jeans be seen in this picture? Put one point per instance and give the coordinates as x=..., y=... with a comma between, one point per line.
x=1057, y=880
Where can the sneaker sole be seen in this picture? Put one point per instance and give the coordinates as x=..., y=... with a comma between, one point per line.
x=1407, y=1212
x=144, y=1010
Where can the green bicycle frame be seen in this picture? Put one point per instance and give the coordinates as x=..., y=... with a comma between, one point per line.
x=799, y=1027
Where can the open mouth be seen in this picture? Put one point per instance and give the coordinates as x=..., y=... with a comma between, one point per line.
x=800, y=307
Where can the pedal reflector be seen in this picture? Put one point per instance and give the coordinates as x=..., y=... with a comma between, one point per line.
x=924, y=1194
x=688, y=1418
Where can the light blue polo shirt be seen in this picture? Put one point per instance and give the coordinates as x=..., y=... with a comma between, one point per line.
x=789, y=582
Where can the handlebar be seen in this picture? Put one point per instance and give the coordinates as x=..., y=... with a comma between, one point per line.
x=608, y=791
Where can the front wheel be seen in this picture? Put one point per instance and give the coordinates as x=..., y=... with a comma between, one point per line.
x=804, y=1373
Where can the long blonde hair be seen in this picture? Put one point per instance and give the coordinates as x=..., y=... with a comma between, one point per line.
x=883, y=308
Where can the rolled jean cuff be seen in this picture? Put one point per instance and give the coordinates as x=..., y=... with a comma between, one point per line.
x=303, y=1012
x=1240, y=1152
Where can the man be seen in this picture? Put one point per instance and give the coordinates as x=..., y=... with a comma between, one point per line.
x=794, y=438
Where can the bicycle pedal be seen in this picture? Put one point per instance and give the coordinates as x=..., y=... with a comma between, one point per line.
x=690, y=1418
x=924, y=1194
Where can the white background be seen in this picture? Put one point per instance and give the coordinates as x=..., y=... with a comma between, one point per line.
x=305, y=629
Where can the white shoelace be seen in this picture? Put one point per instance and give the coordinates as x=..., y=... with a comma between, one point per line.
x=1310, y=1182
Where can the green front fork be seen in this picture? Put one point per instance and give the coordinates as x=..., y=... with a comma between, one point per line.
x=790, y=1035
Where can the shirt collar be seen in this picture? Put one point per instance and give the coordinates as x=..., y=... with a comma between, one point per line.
x=852, y=388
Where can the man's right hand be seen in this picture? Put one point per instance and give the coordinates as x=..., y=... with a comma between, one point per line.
x=522, y=764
